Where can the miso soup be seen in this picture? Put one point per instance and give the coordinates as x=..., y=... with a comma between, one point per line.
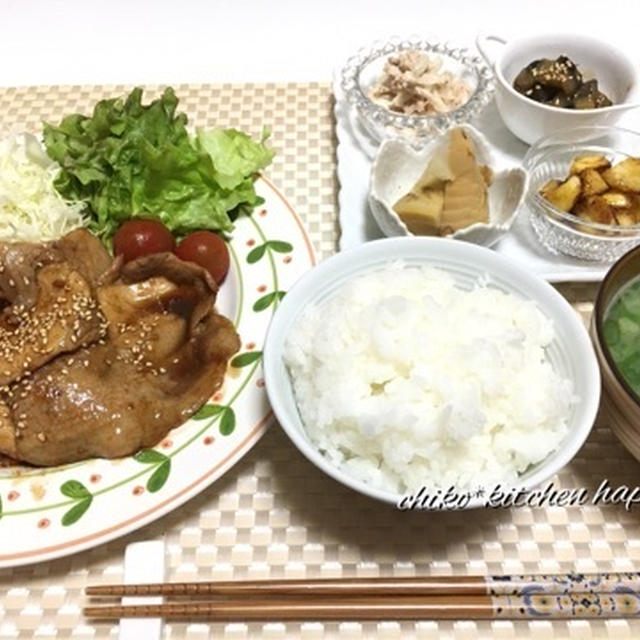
x=622, y=334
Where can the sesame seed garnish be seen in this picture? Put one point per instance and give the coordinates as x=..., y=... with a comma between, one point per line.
x=26, y=335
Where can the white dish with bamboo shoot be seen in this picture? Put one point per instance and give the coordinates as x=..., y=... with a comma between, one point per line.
x=483, y=199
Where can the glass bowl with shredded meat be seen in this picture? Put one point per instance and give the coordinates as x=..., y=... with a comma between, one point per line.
x=414, y=88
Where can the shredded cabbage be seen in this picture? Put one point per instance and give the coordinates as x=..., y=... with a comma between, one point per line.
x=31, y=210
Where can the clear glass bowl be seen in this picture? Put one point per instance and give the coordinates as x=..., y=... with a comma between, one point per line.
x=364, y=68
x=561, y=232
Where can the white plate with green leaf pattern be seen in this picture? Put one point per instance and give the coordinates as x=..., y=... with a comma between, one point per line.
x=48, y=513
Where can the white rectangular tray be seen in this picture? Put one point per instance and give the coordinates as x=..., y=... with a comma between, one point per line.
x=354, y=155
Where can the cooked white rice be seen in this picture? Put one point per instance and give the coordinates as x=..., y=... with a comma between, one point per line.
x=405, y=380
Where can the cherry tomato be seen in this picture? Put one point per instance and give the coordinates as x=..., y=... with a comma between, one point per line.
x=208, y=250
x=140, y=237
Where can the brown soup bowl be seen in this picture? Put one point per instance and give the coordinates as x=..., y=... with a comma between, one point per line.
x=619, y=401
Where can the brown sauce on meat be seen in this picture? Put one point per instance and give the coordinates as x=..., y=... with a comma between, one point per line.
x=143, y=352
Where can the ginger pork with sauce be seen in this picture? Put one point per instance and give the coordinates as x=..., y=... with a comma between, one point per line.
x=451, y=194
x=101, y=359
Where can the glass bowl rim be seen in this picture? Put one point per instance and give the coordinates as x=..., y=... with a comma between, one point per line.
x=355, y=64
x=533, y=158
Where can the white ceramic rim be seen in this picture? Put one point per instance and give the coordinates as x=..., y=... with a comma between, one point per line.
x=387, y=250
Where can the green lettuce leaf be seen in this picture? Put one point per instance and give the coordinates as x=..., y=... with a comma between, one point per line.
x=234, y=154
x=130, y=159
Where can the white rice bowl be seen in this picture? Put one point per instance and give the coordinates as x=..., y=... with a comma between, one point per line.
x=404, y=380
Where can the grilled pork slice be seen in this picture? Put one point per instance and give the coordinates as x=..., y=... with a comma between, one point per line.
x=21, y=261
x=164, y=355
x=48, y=301
x=85, y=253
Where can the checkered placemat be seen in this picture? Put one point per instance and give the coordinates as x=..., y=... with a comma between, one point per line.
x=274, y=514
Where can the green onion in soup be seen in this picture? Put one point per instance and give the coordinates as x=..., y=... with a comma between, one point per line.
x=622, y=334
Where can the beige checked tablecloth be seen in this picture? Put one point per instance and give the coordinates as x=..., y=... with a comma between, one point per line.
x=276, y=515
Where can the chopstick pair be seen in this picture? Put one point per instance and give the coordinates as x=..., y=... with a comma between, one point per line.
x=605, y=595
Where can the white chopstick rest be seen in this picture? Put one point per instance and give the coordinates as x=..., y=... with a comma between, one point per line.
x=143, y=562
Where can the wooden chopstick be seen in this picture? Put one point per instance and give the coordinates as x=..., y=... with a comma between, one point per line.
x=409, y=586
x=537, y=606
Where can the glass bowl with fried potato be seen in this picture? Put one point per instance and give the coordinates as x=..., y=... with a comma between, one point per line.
x=584, y=197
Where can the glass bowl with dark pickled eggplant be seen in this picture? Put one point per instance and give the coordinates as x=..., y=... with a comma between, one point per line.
x=553, y=82
x=584, y=197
